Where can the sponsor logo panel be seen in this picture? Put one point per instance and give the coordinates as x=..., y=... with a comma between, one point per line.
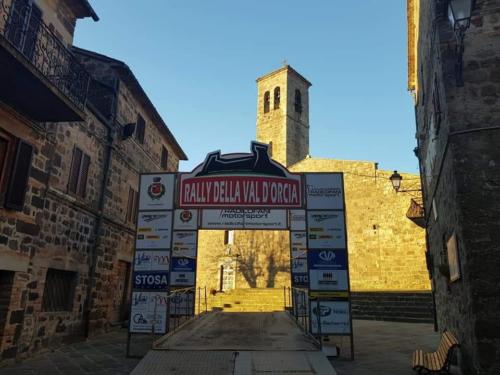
x=326, y=229
x=152, y=260
x=157, y=192
x=238, y=218
x=186, y=219
x=154, y=230
x=150, y=280
x=324, y=191
x=148, y=308
x=297, y=220
x=333, y=316
x=184, y=244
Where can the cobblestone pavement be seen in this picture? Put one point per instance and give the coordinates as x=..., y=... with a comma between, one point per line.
x=100, y=355
x=384, y=347
x=380, y=348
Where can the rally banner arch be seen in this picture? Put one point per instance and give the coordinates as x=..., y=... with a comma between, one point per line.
x=241, y=191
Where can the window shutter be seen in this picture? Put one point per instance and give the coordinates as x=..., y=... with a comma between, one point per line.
x=75, y=170
x=226, y=237
x=164, y=157
x=130, y=202
x=140, y=129
x=135, y=205
x=84, y=172
x=14, y=199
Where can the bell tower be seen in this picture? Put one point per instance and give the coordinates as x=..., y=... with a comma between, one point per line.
x=283, y=114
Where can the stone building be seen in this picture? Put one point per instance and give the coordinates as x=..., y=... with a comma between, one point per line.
x=454, y=76
x=386, y=248
x=76, y=129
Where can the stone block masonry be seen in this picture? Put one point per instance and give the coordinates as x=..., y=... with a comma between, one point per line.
x=47, y=247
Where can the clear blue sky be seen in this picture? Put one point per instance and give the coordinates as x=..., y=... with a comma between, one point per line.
x=198, y=61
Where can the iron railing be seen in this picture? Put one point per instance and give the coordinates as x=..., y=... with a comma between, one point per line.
x=22, y=26
x=296, y=302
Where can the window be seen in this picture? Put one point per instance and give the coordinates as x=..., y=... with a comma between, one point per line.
x=59, y=290
x=23, y=26
x=298, y=101
x=15, y=164
x=228, y=237
x=140, y=129
x=78, y=174
x=133, y=197
x=164, y=157
x=266, y=101
x=277, y=97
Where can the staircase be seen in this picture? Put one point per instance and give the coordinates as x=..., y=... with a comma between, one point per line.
x=248, y=300
x=393, y=306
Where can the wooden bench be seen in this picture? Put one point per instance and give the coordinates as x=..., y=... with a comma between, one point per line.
x=439, y=361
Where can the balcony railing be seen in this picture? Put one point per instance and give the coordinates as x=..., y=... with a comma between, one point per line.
x=22, y=26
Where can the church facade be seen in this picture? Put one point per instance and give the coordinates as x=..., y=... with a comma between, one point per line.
x=386, y=248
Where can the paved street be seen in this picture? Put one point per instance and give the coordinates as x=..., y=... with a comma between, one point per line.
x=385, y=347
x=381, y=347
x=101, y=355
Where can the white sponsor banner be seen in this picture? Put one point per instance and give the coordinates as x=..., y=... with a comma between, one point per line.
x=299, y=265
x=148, y=308
x=236, y=218
x=324, y=191
x=157, y=191
x=152, y=260
x=333, y=316
x=182, y=278
x=184, y=244
x=328, y=280
x=325, y=229
x=154, y=229
x=186, y=219
x=298, y=244
x=181, y=304
x=297, y=219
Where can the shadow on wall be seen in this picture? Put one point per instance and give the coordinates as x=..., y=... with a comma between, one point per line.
x=260, y=254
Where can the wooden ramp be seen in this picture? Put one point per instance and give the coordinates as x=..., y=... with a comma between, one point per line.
x=236, y=343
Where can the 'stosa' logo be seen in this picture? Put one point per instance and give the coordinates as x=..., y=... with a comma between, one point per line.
x=156, y=190
x=186, y=216
x=327, y=256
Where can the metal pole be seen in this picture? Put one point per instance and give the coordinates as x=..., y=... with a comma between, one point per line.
x=289, y=296
x=318, y=317
x=284, y=297
x=206, y=307
x=199, y=300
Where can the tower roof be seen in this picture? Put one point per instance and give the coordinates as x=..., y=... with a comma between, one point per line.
x=285, y=68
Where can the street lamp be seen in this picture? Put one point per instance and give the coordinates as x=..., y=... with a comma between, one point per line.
x=459, y=14
x=396, y=179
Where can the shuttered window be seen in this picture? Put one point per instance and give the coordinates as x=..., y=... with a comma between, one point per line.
x=132, y=205
x=18, y=181
x=59, y=290
x=78, y=174
x=140, y=129
x=164, y=157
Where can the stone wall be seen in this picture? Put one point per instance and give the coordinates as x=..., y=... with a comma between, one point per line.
x=458, y=135
x=57, y=229
x=386, y=249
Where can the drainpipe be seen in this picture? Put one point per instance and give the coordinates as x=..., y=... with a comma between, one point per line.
x=429, y=256
x=110, y=139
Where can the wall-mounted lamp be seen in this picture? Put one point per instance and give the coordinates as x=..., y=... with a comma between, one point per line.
x=396, y=179
x=459, y=14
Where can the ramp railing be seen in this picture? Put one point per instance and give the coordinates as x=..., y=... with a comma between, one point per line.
x=296, y=302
